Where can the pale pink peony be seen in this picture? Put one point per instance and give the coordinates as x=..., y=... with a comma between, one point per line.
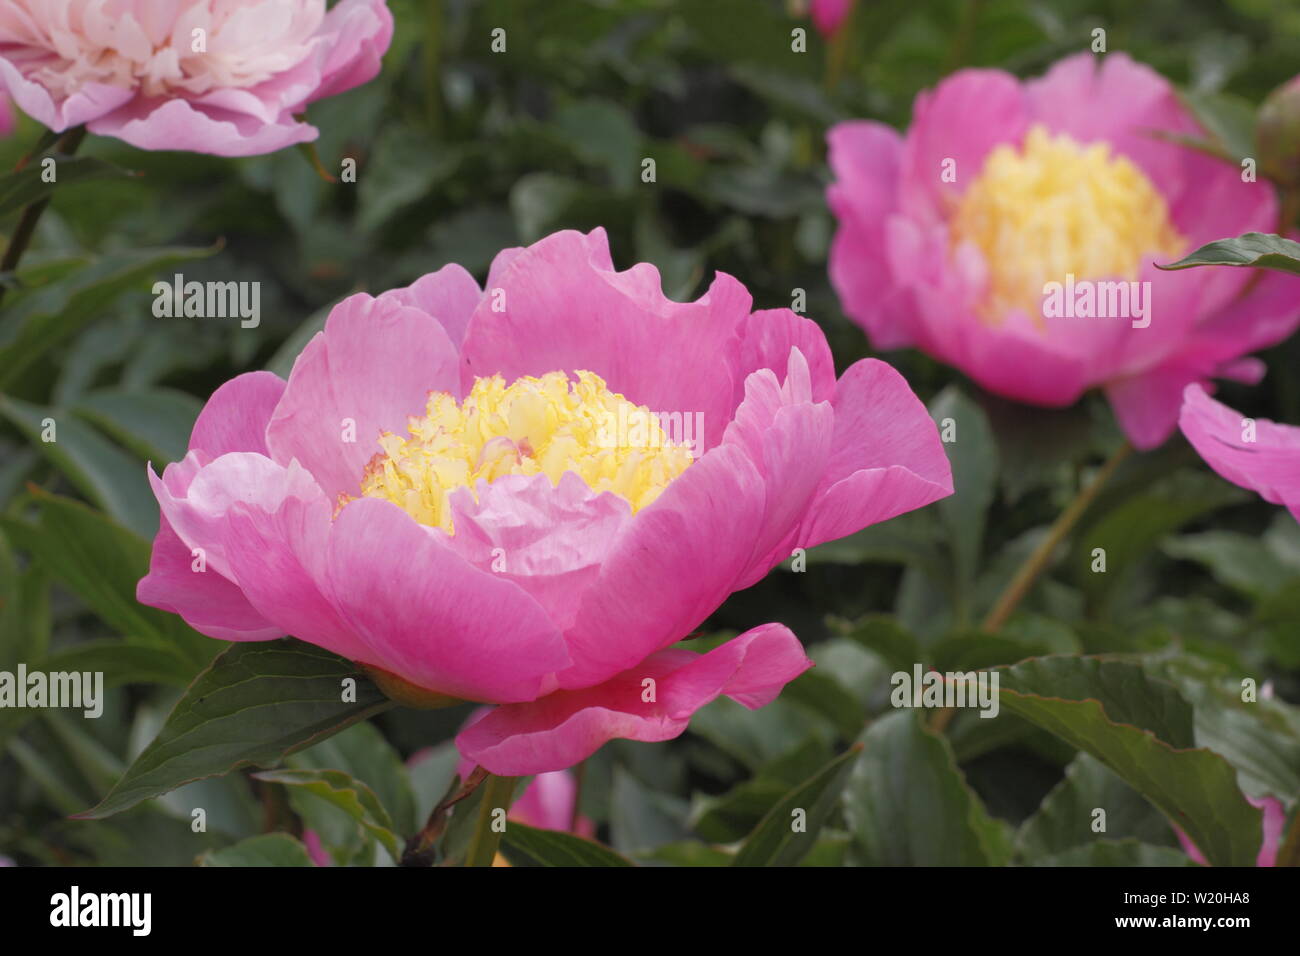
x=207, y=76
x=1259, y=455
x=1274, y=823
x=949, y=235
x=556, y=584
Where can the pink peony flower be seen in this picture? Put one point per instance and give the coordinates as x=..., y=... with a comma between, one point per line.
x=951, y=237
x=453, y=489
x=316, y=851
x=829, y=15
x=547, y=802
x=1274, y=822
x=207, y=76
x=1259, y=455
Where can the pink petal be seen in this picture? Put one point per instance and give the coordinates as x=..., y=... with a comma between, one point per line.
x=1269, y=466
x=963, y=119
x=208, y=602
x=277, y=556
x=429, y=616
x=372, y=366
x=789, y=440
x=236, y=416
x=564, y=308
x=91, y=101
x=233, y=420
x=829, y=15
x=549, y=540
x=449, y=295
x=358, y=33
x=886, y=456
x=178, y=124
x=766, y=338
x=670, y=568
x=866, y=159
x=566, y=727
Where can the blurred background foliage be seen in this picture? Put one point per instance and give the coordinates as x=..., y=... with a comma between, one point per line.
x=462, y=152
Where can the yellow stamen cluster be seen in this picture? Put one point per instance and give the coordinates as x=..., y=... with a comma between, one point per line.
x=546, y=425
x=1056, y=207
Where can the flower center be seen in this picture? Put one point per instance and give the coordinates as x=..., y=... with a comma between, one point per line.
x=1056, y=207
x=546, y=425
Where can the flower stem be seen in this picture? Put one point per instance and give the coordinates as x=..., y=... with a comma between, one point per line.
x=579, y=778
x=66, y=146
x=1037, y=562
x=487, y=837
x=421, y=849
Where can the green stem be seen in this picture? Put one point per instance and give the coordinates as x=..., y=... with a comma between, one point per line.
x=18, y=242
x=422, y=848
x=1042, y=556
x=486, y=838
x=579, y=778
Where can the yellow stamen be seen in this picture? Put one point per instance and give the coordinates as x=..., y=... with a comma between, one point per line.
x=1056, y=207
x=546, y=425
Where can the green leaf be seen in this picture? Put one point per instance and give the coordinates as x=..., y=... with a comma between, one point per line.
x=974, y=457
x=824, y=695
x=101, y=563
x=42, y=319
x=907, y=804
x=882, y=634
x=254, y=705
x=1117, y=853
x=269, y=849
x=103, y=472
x=362, y=752
x=406, y=164
x=28, y=185
x=733, y=815
x=1242, y=562
x=1258, y=249
x=1141, y=729
x=640, y=818
x=341, y=790
x=1065, y=819
x=24, y=614
x=154, y=423
x=529, y=846
x=124, y=663
x=1261, y=738
x=776, y=841
x=1137, y=525
x=602, y=133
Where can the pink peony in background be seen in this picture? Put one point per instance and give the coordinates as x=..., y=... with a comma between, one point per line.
x=210, y=76
x=548, y=802
x=1274, y=823
x=437, y=494
x=829, y=15
x=949, y=233
x=1259, y=455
